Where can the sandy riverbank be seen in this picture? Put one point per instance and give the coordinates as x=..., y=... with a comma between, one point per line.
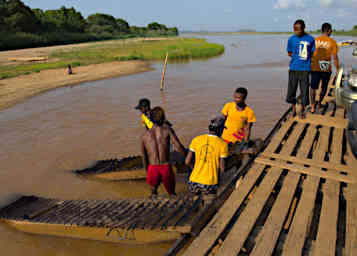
x=17, y=89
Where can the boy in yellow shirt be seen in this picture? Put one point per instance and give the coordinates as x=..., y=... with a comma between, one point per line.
x=144, y=107
x=239, y=118
x=210, y=152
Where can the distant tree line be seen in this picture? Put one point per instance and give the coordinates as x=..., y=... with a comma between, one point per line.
x=22, y=27
x=352, y=32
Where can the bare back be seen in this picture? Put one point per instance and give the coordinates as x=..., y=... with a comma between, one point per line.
x=157, y=144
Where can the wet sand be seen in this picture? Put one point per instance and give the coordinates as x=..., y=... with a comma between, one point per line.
x=48, y=135
x=17, y=89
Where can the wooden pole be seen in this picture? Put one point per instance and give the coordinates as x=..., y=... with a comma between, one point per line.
x=163, y=73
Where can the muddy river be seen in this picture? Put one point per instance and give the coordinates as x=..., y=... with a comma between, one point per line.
x=46, y=137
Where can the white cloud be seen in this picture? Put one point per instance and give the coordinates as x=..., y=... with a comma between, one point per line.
x=290, y=4
x=300, y=4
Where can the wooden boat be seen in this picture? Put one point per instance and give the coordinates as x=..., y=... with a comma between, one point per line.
x=129, y=220
x=128, y=168
x=297, y=197
x=135, y=221
x=131, y=168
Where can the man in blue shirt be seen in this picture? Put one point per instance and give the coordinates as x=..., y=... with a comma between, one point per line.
x=300, y=48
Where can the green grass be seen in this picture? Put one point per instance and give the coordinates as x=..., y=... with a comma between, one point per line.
x=178, y=49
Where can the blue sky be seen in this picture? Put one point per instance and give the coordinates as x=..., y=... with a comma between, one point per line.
x=223, y=15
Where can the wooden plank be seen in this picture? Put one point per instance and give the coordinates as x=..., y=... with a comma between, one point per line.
x=351, y=219
x=267, y=238
x=310, y=162
x=327, y=229
x=323, y=120
x=322, y=144
x=275, y=221
x=340, y=113
x=236, y=237
x=336, y=147
x=302, y=219
x=299, y=227
x=310, y=170
x=214, y=228
x=307, y=142
x=291, y=142
x=276, y=140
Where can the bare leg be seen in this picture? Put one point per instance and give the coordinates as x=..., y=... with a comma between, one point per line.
x=293, y=106
x=153, y=191
x=302, y=113
x=312, y=100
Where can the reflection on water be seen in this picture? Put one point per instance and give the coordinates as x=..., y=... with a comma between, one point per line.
x=70, y=128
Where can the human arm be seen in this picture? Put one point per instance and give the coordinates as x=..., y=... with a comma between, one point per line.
x=222, y=164
x=249, y=129
x=222, y=157
x=146, y=122
x=289, y=48
x=335, y=56
x=145, y=155
x=177, y=143
x=251, y=119
x=188, y=160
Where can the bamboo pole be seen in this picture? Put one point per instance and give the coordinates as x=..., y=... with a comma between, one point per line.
x=162, y=86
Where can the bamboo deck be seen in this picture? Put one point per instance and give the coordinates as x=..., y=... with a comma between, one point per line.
x=298, y=198
x=128, y=220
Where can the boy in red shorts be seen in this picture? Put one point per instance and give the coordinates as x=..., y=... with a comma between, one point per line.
x=156, y=153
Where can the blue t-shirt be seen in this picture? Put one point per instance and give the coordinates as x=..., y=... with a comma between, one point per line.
x=301, y=49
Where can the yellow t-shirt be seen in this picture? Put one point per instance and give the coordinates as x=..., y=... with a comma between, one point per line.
x=208, y=149
x=146, y=122
x=236, y=121
x=321, y=60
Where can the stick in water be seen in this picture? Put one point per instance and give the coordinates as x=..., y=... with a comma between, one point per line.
x=163, y=73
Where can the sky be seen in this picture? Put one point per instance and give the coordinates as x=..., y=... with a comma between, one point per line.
x=223, y=15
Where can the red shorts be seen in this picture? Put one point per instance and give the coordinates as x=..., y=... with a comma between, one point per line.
x=161, y=173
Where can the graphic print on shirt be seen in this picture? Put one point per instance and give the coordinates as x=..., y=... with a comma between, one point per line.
x=303, y=54
x=206, y=153
x=324, y=65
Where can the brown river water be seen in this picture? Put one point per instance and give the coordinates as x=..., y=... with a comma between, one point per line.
x=49, y=135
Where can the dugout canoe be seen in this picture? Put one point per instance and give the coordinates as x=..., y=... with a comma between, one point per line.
x=131, y=168
x=132, y=221
x=127, y=168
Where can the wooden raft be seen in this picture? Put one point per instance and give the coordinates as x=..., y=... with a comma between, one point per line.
x=298, y=198
x=128, y=220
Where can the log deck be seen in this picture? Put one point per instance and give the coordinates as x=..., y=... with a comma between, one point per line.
x=298, y=198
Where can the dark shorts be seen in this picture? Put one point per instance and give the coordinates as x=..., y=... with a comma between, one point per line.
x=317, y=76
x=198, y=188
x=298, y=78
x=161, y=173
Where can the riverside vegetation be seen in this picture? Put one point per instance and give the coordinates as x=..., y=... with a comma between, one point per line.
x=23, y=27
x=119, y=50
